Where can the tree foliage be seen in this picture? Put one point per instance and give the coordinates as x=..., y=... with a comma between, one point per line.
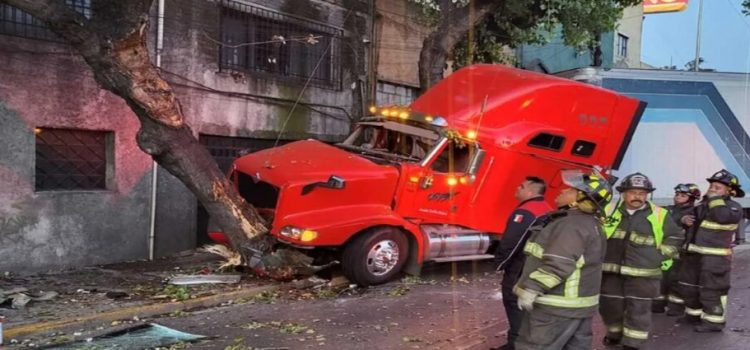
x=511, y=23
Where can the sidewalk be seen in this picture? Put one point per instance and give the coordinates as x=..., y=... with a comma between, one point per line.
x=96, y=297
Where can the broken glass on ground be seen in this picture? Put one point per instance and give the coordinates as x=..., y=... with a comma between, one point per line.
x=145, y=336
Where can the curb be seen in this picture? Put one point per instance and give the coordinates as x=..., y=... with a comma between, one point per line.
x=142, y=311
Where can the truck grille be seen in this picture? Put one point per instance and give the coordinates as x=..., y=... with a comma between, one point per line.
x=261, y=195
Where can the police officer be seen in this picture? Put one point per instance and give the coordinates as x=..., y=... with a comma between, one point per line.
x=530, y=194
x=684, y=199
x=704, y=274
x=559, y=286
x=640, y=235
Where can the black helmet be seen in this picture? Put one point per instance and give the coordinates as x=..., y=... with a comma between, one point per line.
x=725, y=177
x=636, y=181
x=593, y=186
x=690, y=189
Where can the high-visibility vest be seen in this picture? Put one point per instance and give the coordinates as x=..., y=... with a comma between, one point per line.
x=656, y=218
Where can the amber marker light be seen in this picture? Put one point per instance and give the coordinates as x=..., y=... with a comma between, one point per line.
x=452, y=181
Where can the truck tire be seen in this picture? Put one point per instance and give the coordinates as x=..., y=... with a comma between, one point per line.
x=375, y=256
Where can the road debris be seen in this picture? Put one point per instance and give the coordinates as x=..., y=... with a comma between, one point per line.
x=204, y=279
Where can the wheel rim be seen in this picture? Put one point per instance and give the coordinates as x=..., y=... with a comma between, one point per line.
x=382, y=258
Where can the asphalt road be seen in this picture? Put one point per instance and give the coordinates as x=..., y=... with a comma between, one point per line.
x=452, y=306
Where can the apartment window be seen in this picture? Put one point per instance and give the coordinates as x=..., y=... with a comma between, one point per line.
x=15, y=22
x=547, y=141
x=395, y=94
x=256, y=40
x=622, y=45
x=69, y=159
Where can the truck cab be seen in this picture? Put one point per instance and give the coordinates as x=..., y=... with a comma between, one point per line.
x=434, y=181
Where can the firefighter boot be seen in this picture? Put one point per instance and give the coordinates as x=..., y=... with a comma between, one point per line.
x=675, y=311
x=607, y=341
x=708, y=327
x=688, y=319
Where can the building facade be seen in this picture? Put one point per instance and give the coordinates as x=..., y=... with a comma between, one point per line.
x=76, y=190
x=620, y=48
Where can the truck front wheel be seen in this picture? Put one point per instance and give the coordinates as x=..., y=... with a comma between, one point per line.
x=375, y=256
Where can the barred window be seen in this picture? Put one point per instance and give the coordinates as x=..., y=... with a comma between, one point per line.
x=15, y=22
x=256, y=40
x=73, y=159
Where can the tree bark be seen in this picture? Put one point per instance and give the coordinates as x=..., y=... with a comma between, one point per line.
x=454, y=23
x=113, y=44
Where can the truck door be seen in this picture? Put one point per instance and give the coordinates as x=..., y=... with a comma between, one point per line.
x=443, y=191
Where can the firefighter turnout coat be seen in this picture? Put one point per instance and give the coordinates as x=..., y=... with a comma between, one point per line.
x=704, y=276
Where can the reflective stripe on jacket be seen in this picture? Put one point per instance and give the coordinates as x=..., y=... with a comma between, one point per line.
x=634, y=240
x=717, y=221
x=564, y=264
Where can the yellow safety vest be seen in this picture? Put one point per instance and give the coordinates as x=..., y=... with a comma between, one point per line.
x=656, y=218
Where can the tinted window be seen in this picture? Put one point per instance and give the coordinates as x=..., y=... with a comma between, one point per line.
x=583, y=148
x=547, y=141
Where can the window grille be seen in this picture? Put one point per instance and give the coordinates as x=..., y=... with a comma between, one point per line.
x=71, y=159
x=260, y=41
x=16, y=22
x=226, y=149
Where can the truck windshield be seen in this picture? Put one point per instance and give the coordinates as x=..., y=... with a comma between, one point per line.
x=391, y=140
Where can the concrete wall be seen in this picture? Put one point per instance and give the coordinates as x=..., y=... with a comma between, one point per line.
x=400, y=35
x=695, y=124
x=59, y=229
x=631, y=25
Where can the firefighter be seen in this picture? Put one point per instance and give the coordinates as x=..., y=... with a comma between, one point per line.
x=684, y=199
x=640, y=236
x=559, y=286
x=530, y=194
x=704, y=274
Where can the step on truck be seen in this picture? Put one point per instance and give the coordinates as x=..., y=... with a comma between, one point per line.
x=434, y=181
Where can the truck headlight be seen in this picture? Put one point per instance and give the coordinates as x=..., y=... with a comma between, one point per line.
x=299, y=234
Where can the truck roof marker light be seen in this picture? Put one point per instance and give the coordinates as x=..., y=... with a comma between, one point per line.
x=393, y=113
x=384, y=112
x=404, y=115
x=428, y=118
x=414, y=179
x=463, y=180
x=452, y=181
x=308, y=235
x=471, y=134
x=373, y=109
x=527, y=103
x=439, y=121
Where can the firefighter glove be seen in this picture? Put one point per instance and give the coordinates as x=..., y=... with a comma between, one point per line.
x=526, y=298
x=669, y=251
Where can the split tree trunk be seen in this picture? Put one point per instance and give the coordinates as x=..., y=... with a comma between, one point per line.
x=113, y=44
x=453, y=25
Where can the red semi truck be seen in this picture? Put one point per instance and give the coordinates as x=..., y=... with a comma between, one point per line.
x=434, y=181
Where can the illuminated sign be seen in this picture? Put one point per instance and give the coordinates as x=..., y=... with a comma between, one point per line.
x=661, y=6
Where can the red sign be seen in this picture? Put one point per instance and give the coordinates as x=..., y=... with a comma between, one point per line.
x=661, y=6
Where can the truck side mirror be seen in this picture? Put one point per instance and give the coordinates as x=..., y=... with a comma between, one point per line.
x=476, y=162
x=334, y=182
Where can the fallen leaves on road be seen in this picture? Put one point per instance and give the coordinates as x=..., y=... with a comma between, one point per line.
x=399, y=291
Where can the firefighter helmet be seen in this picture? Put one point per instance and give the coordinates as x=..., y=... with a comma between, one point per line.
x=593, y=186
x=689, y=189
x=725, y=177
x=636, y=181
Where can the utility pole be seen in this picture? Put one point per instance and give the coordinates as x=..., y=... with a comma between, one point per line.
x=698, y=36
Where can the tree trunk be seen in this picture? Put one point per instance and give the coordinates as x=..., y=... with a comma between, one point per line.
x=118, y=57
x=454, y=24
